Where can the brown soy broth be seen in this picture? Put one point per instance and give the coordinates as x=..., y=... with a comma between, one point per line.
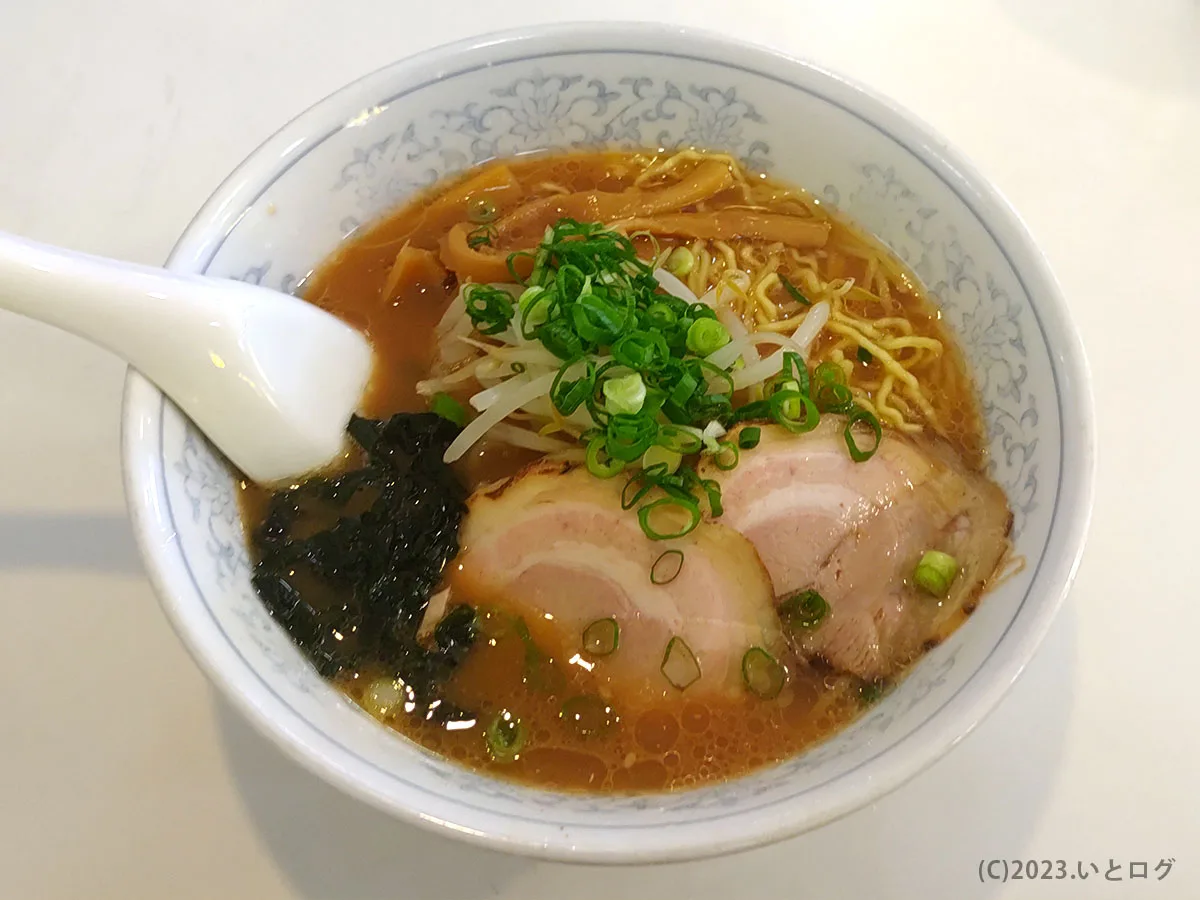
x=678, y=742
x=672, y=744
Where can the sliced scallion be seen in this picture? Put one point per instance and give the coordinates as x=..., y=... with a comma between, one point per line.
x=627, y=437
x=601, y=637
x=534, y=305
x=794, y=292
x=870, y=692
x=481, y=210
x=448, y=408
x=661, y=455
x=384, y=696
x=793, y=409
x=625, y=394
x=762, y=673
x=602, y=468
x=726, y=457
x=667, y=567
x=712, y=489
x=680, y=262
x=650, y=521
x=505, y=736
x=707, y=336
x=490, y=309
x=806, y=418
x=803, y=610
x=829, y=372
x=749, y=437
x=935, y=572
x=481, y=236
x=861, y=415
x=680, y=666
x=677, y=439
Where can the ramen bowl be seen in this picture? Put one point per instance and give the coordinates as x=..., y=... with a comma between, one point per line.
x=361, y=152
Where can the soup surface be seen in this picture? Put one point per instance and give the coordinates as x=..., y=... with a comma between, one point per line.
x=517, y=687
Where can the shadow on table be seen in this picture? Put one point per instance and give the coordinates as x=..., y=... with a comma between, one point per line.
x=101, y=543
x=1151, y=45
x=984, y=800
x=331, y=846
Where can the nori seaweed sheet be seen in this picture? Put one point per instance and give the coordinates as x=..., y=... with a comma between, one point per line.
x=352, y=593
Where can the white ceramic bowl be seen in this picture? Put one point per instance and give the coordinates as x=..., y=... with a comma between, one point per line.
x=358, y=153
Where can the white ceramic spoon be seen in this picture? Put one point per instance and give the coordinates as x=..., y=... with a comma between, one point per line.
x=270, y=379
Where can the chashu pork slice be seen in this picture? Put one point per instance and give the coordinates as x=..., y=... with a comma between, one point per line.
x=854, y=532
x=552, y=544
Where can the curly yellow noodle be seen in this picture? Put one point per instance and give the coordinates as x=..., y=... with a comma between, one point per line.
x=871, y=310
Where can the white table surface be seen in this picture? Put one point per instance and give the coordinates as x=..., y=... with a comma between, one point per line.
x=123, y=775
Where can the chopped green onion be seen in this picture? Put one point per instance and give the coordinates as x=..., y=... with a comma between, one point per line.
x=791, y=408
x=829, y=372
x=935, y=572
x=505, y=737
x=794, y=292
x=749, y=437
x=795, y=370
x=643, y=483
x=641, y=350
x=758, y=409
x=490, y=309
x=864, y=356
x=448, y=408
x=625, y=394
x=712, y=490
x=707, y=336
x=680, y=262
x=677, y=439
x=684, y=388
x=535, y=309
x=481, y=236
x=596, y=320
x=383, y=696
x=832, y=393
x=680, y=666
x=568, y=395
x=560, y=339
x=540, y=672
x=803, y=610
x=861, y=415
x=602, y=468
x=657, y=454
x=661, y=316
x=627, y=437
x=667, y=567
x=588, y=715
x=763, y=674
x=870, y=692
x=691, y=507
x=726, y=457
x=481, y=210
x=795, y=424
x=601, y=637
x=517, y=368
x=834, y=398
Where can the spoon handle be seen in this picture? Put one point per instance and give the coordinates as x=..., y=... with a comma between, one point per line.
x=270, y=379
x=126, y=308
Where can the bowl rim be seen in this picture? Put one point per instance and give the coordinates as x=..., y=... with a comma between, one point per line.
x=144, y=477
